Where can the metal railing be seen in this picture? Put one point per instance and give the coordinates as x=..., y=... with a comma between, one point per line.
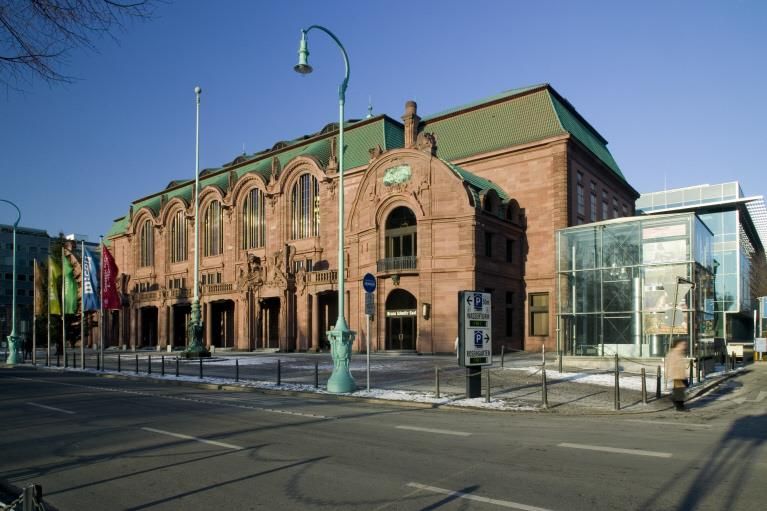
x=397, y=264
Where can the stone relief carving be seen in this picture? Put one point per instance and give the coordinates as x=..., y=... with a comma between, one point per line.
x=251, y=277
x=427, y=143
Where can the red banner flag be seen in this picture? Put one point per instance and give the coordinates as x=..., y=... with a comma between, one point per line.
x=109, y=295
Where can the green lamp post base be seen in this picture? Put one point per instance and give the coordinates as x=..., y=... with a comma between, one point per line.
x=196, y=348
x=341, y=339
x=13, y=350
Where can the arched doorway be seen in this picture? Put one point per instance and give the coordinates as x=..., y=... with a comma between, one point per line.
x=401, y=321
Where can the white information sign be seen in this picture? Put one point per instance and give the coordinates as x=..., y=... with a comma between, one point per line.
x=760, y=344
x=475, y=328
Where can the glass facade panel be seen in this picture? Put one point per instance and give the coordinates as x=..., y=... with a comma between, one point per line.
x=626, y=287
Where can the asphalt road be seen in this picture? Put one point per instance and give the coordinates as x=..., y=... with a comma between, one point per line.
x=106, y=443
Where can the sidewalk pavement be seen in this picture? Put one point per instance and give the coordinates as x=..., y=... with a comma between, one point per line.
x=515, y=382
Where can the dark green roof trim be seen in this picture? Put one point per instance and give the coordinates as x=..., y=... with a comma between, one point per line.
x=479, y=186
x=498, y=97
x=585, y=134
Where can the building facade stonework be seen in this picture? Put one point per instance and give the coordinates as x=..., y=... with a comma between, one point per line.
x=465, y=200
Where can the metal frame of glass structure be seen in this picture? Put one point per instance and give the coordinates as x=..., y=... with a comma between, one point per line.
x=631, y=285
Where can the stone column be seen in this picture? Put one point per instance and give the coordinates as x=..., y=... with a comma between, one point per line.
x=137, y=337
x=171, y=326
x=162, y=326
x=314, y=322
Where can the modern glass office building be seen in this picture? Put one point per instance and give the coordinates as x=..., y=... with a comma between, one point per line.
x=739, y=225
x=630, y=285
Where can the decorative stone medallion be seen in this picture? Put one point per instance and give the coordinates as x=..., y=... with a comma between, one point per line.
x=397, y=175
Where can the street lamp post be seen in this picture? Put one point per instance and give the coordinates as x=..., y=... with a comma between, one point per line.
x=13, y=341
x=341, y=338
x=194, y=329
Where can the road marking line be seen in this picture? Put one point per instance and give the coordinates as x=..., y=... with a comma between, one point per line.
x=668, y=423
x=187, y=437
x=617, y=450
x=468, y=496
x=761, y=396
x=438, y=431
x=52, y=408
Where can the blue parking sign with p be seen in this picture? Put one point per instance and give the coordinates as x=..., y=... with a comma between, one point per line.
x=478, y=338
x=477, y=301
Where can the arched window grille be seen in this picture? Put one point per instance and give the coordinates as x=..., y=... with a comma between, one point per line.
x=178, y=235
x=305, y=208
x=213, y=232
x=146, y=244
x=253, y=220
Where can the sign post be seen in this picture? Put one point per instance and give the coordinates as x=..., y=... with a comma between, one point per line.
x=474, y=337
x=369, y=284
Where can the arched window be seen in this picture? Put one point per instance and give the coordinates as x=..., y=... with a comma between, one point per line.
x=305, y=208
x=178, y=237
x=146, y=244
x=253, y=220
x=401, y=234
x=213, y=232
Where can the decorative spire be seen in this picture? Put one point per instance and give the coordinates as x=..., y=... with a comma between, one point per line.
x=370, y=108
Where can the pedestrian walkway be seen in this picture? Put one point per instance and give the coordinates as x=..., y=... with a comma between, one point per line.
x=515, y=382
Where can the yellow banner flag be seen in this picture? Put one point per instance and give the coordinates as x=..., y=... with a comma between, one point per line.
x=54, y=281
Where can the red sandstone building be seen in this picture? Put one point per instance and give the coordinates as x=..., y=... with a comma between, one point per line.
x=469, y=198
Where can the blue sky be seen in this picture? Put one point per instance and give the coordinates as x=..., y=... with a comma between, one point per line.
x=674, y=86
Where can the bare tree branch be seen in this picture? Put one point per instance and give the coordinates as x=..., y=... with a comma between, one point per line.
x=36, y=36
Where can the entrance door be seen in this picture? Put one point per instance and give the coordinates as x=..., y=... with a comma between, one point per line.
x=401, y=321
x=400, y=333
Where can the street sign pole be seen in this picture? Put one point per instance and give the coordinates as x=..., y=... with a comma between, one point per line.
x=369, y=284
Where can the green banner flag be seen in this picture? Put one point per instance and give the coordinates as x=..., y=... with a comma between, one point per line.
x=70, y=287
x=54, y=282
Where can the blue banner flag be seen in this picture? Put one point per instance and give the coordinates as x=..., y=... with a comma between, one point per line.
x=90, y=282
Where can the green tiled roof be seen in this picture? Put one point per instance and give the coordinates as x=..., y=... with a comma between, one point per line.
x=513, y=118
x=479, y=183
x=118, y=227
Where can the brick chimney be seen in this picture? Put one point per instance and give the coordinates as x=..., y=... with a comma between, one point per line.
x=411, y=120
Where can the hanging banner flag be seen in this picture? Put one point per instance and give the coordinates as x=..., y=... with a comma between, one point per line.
x=39, y=289
x=54, y=289
x=90, y=282
x=109, y=294
x=70, y=286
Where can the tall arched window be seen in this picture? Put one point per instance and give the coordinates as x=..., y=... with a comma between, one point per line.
x=401, y=233
x=305, y=208
x=178, y=237
x=213, y=232
x=146, y=244
x=253, y=220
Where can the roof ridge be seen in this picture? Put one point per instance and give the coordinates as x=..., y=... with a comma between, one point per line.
x=487, y=101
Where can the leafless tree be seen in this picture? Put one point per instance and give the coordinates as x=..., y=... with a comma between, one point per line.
x=36, y=35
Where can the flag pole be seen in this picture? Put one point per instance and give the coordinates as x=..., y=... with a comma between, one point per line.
x=34, y=316
x=82, y=304
x=63, y=307
x=48, y=306
x=101, y=304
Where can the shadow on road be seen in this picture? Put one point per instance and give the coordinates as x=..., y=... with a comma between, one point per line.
x=725, y=471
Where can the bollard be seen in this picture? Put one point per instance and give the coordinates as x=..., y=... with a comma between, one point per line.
x=697, y=369
x=176, y=367
x=200, y=359
x=316, y=374
x=98, y=363
x=644, y=387
x=559, y=359
x=690, y=380
x=236, y=369
x=74, y=360
x=617, y=399
x=58, y=359
x=436, y=379
x=279, y=372
x=136, y=363
x=119, y=364
x=162, y=365
x=726, y=361
x=503, y=350
x=32, y=498
x=487, y=385
x=657, y=384
x=149, y=364
x=734, y=360
x=544, y=390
